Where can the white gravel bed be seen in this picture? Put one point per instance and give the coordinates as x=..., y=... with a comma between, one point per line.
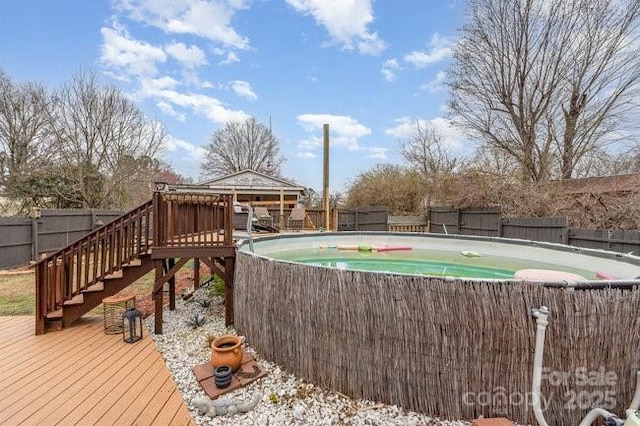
x=284, y=399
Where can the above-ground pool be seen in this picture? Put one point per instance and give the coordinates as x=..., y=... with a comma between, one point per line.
x=443, y=256
x=442, y=324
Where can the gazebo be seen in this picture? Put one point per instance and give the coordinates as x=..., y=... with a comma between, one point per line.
x=252, y=187
x=256, y=188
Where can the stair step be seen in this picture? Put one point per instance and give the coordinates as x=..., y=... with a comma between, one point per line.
x=114, y=276
x=55, y=315
x=110, y=285
x=77, y=300
x=99, y=286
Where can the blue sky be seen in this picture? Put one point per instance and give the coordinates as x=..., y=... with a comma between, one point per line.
x=368, y=68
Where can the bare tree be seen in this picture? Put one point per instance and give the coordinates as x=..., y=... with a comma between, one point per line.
x=101, y=136
x=242, y=145
x=490, y=160
x=427, y=151
x=336, y=199
x=24, y=146
x=601, y=72
x=605, y=164
x=545, y=82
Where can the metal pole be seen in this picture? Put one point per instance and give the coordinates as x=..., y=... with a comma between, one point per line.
x=325, y=186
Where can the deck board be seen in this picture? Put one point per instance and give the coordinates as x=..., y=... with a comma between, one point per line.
x=82, y=376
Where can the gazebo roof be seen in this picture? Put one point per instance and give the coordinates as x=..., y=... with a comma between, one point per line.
x=251, y=180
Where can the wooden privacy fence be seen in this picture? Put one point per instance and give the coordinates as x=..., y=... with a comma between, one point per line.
x=24, y=239
x=372, y=218
x=448, y=348
x=490, y=223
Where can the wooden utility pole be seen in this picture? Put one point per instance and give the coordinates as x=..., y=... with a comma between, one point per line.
x=325, y=186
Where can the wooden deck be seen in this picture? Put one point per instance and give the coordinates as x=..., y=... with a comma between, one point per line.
x=82, y=376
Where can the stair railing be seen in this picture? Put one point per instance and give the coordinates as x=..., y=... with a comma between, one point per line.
x=191, y=219
x=66, y=273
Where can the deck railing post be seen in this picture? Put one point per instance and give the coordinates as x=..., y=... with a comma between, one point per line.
x=157, y=222
x=40, y=294
x=228, y=221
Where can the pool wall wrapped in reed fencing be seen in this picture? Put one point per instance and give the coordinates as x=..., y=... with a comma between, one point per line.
x=450, y=348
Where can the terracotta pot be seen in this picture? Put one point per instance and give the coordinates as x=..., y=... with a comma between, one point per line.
x=227, y=350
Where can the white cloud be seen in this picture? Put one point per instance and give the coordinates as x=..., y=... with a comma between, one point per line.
x=161, y=83
x=120, y=50
x=439, y=50
x=208, y=19
x=231, y=58
x=437, y=84
x=406, y=128
x=378, y=153
x=191, y=77
x=189, y=56
x=243, y=89
x=344, y=131
x=389, y=69
x=174, y=144
x=346, y=22
x=207, y=106
x=306, y=155
x=167, y=109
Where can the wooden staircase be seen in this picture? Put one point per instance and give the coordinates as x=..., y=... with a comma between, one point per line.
x=172, y=225
x=75, y=279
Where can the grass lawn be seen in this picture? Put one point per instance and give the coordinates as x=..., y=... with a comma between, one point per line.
x=142, y=287
x=17, y=291
x=18, y=294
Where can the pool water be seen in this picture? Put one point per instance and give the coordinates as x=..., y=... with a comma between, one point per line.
x=422, y=262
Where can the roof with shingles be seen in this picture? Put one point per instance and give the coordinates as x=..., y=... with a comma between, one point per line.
x=603, y=184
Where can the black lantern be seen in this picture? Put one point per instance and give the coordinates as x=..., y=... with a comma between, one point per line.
x=132, y=325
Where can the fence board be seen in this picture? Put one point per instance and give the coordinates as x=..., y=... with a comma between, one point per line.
x=619, y=241
x=489, y=223
x=55, y=228
x=547, y=229
x=444, y=220
x=364, y=219
x=484, y=223
x=15, y=241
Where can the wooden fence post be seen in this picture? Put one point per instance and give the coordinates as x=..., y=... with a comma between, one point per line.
x=35, y=216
